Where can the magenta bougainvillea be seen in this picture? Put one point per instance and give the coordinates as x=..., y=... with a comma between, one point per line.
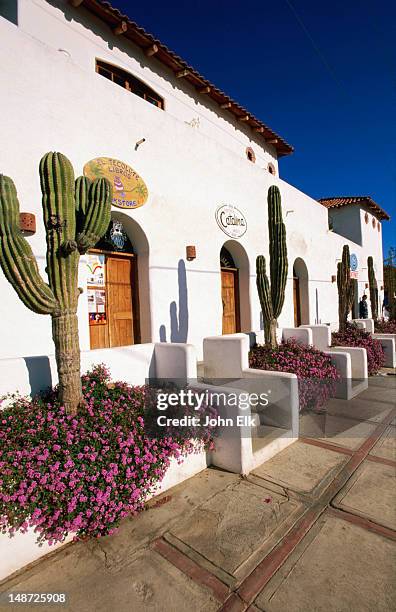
x=385, y=327
x=316, y=375
x=81, y=474
x=353, y=336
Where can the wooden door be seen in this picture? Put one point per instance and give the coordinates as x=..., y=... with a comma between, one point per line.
x=355, y=305
x=119, y=295
x=297, y=301
x=229, y=296
x=119, y=326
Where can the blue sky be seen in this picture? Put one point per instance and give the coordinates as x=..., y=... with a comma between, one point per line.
x=322, y=75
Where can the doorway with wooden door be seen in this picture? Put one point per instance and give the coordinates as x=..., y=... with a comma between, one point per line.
x=300, y=293
x=113, y=294
x=229, y=293
x=296, y=300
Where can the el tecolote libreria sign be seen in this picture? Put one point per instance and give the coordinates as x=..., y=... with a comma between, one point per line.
x=129, y=189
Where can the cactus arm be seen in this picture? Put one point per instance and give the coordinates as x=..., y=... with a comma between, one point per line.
x=81, y=191
x=97, y=215
x=350, y=295
x=16, y=257
x=346, y=290
x=264, y=293
x=263, y=288
x=278, y=250
x=373, y=288
x=57, y=186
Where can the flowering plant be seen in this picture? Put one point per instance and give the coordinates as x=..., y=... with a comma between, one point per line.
x=354, y=336
x=316, y=374
x=83, y=473
x=385, y=327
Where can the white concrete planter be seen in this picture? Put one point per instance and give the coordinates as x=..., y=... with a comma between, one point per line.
x=366, y=324
x=276, y=427
x=388, y=343
x=351, y=362
x=133, y=364
x=302, y=335
x=22, y=549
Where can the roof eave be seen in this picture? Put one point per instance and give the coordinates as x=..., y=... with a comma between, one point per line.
x=356, y=201
x=154, y=48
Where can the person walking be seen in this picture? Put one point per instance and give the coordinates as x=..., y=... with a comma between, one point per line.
x=363, y=308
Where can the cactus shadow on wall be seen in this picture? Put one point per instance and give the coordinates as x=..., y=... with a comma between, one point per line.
x=178, y=313
x=39, y=372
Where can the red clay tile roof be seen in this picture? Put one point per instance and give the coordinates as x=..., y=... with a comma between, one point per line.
x=129, y=29
x=337, y=202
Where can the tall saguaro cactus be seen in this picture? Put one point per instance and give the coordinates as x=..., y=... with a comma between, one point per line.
x=272, y=296
x=76, y=215
x=373, y=288
x=346, y=289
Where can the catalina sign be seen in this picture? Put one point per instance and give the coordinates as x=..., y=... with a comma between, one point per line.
x=129, y=189
x=231, y=221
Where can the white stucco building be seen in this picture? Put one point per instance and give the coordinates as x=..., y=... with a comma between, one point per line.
x=82, y=79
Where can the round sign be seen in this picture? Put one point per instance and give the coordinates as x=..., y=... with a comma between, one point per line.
x=353, y=261
x=231, y=221
x=129, y=189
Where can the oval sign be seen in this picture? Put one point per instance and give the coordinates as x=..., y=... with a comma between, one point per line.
x=353, y=262
x=231, y=221
x=129, y=189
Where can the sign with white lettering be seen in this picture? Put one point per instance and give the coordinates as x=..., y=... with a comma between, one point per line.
x=231, y=221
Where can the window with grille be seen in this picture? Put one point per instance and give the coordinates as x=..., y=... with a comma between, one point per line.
x=129, y=82
x=226, y=260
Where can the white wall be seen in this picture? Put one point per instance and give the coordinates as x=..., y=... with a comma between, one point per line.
x=56, y=102
x=85, y=37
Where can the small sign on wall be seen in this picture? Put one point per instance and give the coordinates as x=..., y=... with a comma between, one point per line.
x=231, y=221
x=96, y=293
x=97, y=306
x=129, y=189
x=353, y=262
x=96, y=269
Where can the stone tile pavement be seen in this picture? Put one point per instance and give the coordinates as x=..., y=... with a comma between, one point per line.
x=314, y=529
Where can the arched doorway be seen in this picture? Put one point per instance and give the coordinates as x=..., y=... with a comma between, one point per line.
x=229, y=293
x=300, y=293
x=113, y=288
x=235, y=289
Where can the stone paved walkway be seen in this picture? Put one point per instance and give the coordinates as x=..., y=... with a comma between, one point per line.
x=312, y=529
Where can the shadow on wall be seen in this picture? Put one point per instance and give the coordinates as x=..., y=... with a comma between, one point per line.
x=39, y=371
x=178, y=316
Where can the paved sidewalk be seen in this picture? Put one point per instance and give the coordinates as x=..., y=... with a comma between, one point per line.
x=311, y=529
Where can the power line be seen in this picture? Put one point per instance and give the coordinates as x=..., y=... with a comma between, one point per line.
x=317, y=49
